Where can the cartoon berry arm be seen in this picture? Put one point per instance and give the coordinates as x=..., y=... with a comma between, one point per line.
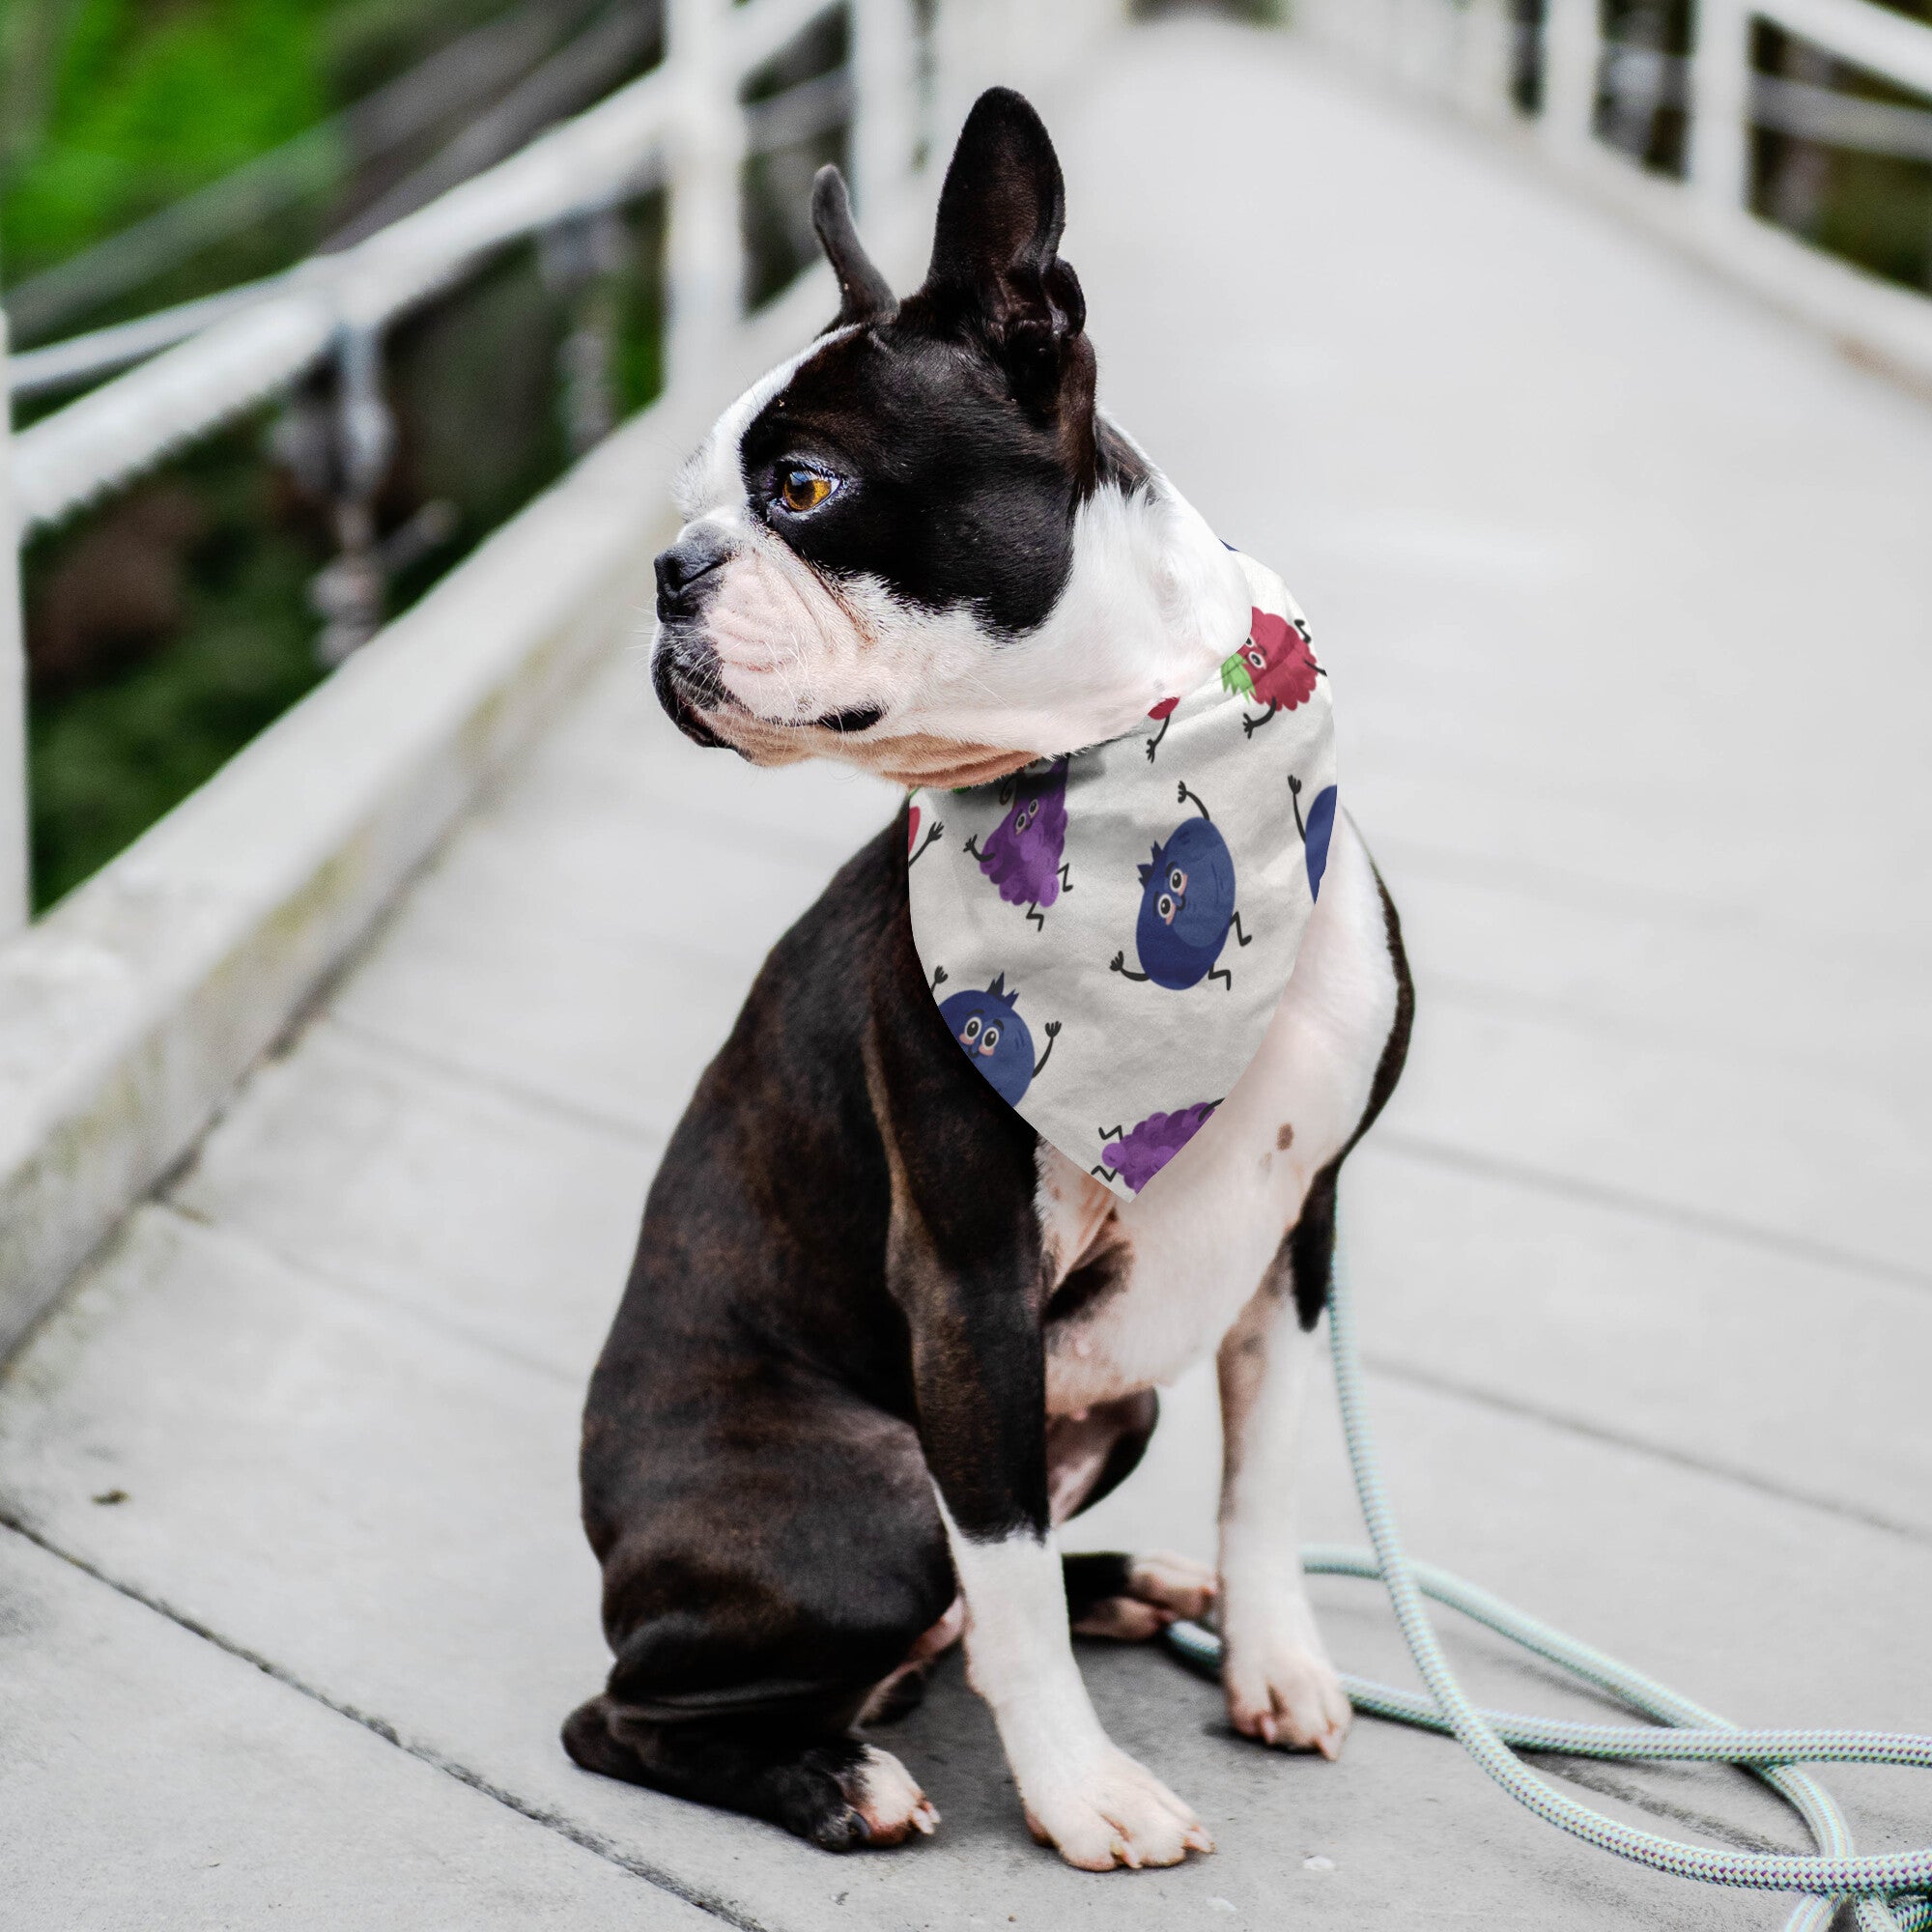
x=1250, y=725
x=1066, y=883
x=938, y=977
x=1294, y=792
x=972, y=846
x=931, y=839
x=1186, y=795
x=1235, y=926
x=1119, y=964
x=1052, y=1034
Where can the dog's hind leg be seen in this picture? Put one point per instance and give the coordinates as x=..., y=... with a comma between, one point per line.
x=1109, y=1593
x=1130, y=1598
x=824, y=1785
x=758, y=1586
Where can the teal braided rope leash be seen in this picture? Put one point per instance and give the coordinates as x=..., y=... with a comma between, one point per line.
x=1879, y=1885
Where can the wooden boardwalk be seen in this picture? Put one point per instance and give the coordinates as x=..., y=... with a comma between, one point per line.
x=1625, y=591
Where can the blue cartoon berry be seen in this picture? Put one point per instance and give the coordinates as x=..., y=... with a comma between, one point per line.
x=994, y=1038
x=1022, y=854
x=1187, y=906
x=1316, y=833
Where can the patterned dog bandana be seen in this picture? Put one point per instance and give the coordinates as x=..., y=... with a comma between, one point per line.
x=1108, y=933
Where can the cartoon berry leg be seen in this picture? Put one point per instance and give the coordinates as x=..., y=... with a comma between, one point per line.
x=915, y=851
x=1163, y=715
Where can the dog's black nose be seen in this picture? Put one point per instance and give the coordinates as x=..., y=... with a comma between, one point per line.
x=685, y=573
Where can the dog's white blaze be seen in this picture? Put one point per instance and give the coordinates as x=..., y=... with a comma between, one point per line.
x=712, y=477
x=1204, y=1235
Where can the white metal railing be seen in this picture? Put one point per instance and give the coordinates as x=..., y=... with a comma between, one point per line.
x=683, y=127
x=682, y=124
x=1469, y=54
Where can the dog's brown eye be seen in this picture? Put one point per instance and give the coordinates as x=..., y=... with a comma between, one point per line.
x=804, y=490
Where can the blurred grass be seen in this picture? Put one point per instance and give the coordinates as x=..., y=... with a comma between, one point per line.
x=111, y=109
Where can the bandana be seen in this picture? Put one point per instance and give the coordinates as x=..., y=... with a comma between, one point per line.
x=1108, y=933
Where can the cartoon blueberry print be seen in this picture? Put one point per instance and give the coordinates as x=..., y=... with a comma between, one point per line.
x=1274, y=668
x=1138, y=1154
x=1022, y=854
x=995, y=1039
x=1316, y=832
x=1187, y=907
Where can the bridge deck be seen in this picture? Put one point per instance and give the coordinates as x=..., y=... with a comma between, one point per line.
x=1624, y=582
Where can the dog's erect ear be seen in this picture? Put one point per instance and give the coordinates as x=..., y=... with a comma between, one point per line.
x=862, y=291
x=994, y=258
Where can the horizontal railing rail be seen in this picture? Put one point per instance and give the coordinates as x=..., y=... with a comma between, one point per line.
x=1581, y=92
x=204, y=363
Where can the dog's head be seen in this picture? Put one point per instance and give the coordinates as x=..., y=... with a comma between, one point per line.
x=917, y=545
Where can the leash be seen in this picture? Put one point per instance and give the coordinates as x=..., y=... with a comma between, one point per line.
x=1881, y=1888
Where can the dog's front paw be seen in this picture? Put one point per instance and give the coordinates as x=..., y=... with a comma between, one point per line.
x=1285, y=1693
x=1110, y=1811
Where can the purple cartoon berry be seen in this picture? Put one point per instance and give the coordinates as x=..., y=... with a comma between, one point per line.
x=1021, y=855
x=1138, y=1154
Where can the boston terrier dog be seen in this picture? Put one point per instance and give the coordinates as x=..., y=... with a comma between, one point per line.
x=880, y=1338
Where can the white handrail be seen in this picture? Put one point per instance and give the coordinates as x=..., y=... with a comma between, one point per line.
x=1434, y=45
x=1890, y=45
x=682, y=123
x=611, y=150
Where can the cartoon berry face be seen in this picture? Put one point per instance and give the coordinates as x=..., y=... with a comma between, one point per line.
x=1316, y=832
x=994, y=1038
x=1137, y=1155
x=1187, y=906
x=1274, y=668
x=1022, y=854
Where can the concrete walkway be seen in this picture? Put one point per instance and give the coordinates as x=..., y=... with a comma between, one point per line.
x=1625, y=586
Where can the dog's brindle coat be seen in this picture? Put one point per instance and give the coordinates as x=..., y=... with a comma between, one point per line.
x=879, y=1339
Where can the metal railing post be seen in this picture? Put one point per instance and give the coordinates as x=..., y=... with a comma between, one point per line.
x=704, y=253
x=1573, y=48
x=13, y=899
x=1720, y=107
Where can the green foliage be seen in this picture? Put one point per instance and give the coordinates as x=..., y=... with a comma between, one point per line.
x=108, y=758
x=110, y=109
x=142, y=103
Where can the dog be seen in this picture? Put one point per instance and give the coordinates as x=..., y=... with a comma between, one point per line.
x=880, y=1339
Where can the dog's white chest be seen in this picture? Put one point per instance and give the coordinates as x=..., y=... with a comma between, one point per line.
x=1145, y=1287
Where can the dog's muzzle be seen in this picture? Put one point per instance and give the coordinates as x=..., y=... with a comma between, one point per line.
x=684, y=665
